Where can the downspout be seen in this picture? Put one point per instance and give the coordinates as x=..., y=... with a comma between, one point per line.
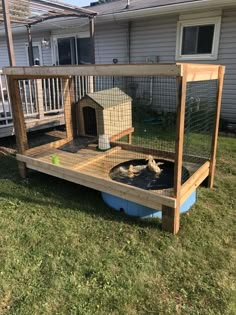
x=151, y=92
x=129, y=41
x=31, y=53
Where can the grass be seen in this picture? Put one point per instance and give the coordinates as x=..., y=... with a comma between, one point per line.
x=62, y=251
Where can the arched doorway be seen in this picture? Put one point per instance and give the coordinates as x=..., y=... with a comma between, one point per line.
x=90, y=122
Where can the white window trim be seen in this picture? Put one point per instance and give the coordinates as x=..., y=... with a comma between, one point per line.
x=38, y=44
x=195, y=22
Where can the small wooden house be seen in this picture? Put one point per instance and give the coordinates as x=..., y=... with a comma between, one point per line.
x=106, y=112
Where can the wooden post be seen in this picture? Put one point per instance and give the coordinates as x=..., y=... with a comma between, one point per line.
x=8, y=30
x=19, y=122
x=30, y=48
x=171, y=216
x=216, y=129
x=67, y=91
x=39, y=97
x=91, y=29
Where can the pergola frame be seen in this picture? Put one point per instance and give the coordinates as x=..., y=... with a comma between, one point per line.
x=13, y=12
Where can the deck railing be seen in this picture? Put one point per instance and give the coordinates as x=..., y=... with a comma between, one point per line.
x=39, y=99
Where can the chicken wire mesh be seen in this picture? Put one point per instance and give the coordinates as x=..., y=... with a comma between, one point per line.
x=146, y=103
x=200, y=111
x=137, y=114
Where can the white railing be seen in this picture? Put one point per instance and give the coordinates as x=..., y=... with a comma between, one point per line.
x=5, y=107
x=39, y=98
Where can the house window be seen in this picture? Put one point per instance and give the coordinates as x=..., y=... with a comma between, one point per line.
x=72, y=50
x=198, y=39
x=84, y=50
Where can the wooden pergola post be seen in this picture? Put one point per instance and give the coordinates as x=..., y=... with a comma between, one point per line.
x=216, y=128
x=30, y=48
x=67, y=97
x=171, y=216
x=19, y=122
x=8, y=31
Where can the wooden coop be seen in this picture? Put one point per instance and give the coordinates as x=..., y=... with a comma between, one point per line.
x=171, y=110
x=102, y=112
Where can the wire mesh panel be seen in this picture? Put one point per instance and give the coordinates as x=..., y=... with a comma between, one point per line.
x=152, y=103
x=201, y=100
x=136, y=117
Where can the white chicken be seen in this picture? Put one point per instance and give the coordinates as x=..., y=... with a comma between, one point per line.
x=153, y=166
x=127, y=172
x=132, y=170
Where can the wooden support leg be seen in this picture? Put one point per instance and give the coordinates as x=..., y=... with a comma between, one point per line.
x=216, y=129
x=19, y=122
x=22, y=169
x=170, y=219
x=130, y=138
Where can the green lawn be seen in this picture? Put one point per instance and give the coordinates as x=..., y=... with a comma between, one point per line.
x=62, y=251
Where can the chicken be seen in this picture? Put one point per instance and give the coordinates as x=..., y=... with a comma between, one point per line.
x=127, y=172
x=152, y=165
x=139, y=168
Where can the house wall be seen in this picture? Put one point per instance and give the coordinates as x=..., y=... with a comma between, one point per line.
x=157, y=37
x=111, y=41
x=20, y=49
x=148, y=38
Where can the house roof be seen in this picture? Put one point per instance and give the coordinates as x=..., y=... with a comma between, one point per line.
x=109, y=98
x=116, y=10
x=121, y=5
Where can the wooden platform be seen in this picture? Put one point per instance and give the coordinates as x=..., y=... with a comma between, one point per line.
x=90, y=167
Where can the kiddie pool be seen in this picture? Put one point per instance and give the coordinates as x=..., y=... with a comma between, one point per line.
x=165, y=180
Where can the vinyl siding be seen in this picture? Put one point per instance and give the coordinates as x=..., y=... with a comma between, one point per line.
x=149, y=38
x=227, y=57
x=111, y=41
x=157, y=37
x=20, y=50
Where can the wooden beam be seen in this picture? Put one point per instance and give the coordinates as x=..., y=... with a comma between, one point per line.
x=171, y=217
x=8, y=31
x=19, y=122
x=194, y=181
x=136, y=148
x=144, y=197
x=67, y=91
x=122, y=134
x=204, y=169
x=200, y=72
x=94, y=70
x=216, y=129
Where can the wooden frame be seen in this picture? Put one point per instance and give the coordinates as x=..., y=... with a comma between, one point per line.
x=170, y=205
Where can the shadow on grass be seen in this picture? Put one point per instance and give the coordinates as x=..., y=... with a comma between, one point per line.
x=62, y=194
